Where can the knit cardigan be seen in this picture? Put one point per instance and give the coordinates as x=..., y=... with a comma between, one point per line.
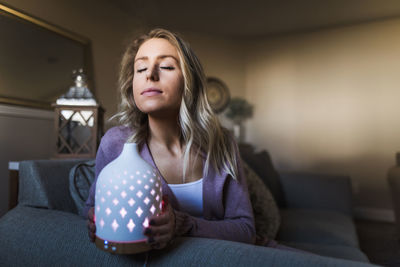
x=227, y=210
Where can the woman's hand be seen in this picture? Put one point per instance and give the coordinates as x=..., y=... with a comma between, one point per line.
x=91, y=225
x=161, y=228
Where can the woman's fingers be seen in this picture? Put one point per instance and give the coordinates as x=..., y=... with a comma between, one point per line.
x=161, y=227
x=157, y=230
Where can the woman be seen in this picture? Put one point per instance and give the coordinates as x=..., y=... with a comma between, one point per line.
x=164, y=110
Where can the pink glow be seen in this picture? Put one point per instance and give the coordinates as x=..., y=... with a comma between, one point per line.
x=131, y=202
x=131, y=225
x=114, y=225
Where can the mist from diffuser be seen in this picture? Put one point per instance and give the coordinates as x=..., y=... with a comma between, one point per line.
x=128, y=192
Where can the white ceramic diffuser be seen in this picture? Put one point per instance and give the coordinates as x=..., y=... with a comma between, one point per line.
x=128, y=192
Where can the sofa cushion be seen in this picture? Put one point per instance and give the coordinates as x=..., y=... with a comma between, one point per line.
x=44, y=184
x=266, y=212
x=261, y=163
x=317, y=227
x=336, y=251
x=81, y=177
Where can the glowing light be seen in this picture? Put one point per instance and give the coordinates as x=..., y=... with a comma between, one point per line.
x=109, y=193
x=124, y=181
x=131, y=202
x=139, y=181
x=157, y=185
x=123, y=194
x=98, y=208
x=139, y=212
x=116, y=187
x=123, y=212
x=115, y=201
x=131, y=188
x=102, y=223
x=139, y=194
x=152, y=180
x=137, y=172
x=146, y=187
x=144, y=176
x=131, y=176
x=146, y=201
x=152, y=209
x=157, y=197
x=131, y=225
x=115, y=225
x=108, y=211
x=146, y=223
x=103, y=199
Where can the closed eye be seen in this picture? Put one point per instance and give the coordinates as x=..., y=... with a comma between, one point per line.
x=141, y=70
x=167, y=68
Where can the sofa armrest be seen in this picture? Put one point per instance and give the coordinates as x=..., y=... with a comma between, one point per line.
x=317, y=191
x=37, y=237
x=45, y=184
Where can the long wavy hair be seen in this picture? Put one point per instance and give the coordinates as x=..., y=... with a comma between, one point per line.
x=201, y=131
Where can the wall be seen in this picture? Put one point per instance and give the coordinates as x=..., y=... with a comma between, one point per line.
x=327, y=101
x=104, y=24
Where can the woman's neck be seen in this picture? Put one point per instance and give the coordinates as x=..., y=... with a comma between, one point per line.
x=165, y=132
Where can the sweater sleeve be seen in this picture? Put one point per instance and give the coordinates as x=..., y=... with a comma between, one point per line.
x=237, y=223
x=100, y=159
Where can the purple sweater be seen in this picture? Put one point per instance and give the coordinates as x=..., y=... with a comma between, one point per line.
x=227, y=211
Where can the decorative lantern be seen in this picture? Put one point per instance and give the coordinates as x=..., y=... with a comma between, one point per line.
x=128, y=192
x=78, y=122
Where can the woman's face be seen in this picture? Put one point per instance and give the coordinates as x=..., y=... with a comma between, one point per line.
x=157, y=81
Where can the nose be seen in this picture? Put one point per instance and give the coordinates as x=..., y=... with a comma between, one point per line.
x=152, y=73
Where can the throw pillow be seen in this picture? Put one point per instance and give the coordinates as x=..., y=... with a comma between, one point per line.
x=266, y=213
x=81, y=177
x=261, y=164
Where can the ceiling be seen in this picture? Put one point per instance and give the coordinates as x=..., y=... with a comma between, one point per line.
x=255, y=18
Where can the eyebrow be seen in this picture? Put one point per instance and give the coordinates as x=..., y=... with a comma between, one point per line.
x=158, y=57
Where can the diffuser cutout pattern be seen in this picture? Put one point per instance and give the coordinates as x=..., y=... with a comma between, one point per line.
x=128, y=192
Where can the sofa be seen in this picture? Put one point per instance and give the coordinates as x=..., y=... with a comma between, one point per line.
x=394, y=185
x=45, y=228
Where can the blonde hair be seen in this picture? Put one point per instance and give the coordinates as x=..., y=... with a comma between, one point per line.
x=200, y=128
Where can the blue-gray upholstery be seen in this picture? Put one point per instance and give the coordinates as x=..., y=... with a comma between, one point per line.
x=317, y=227
x=45, y=184
x=317, y=191
x=40, y=237
x=46, y=230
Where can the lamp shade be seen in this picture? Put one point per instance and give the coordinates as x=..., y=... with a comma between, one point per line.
x=128, y=192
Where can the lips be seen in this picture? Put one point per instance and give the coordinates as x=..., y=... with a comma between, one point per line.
x=151, y=92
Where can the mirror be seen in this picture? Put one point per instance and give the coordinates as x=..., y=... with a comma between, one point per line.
x=37, y=59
